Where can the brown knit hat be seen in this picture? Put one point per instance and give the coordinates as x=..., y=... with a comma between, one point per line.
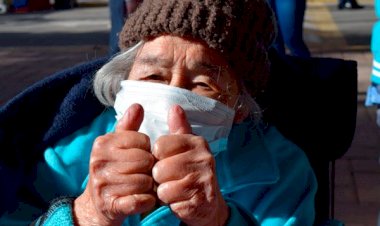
x=241, y=30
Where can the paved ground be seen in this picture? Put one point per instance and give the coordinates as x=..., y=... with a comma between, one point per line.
x=346, y=34
x=35, y=45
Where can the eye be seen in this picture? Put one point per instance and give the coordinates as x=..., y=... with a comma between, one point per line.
x=202, y=84
x=154, y=77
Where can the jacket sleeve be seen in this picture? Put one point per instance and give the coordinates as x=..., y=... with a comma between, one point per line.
x=59, y=213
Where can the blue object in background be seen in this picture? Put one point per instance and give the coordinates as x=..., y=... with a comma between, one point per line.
x=375, y=46
x=290, y=16
x=373, y=92
x=118, y=15
x=19, y=3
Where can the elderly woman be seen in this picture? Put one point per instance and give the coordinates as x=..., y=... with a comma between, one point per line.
x=181, y=141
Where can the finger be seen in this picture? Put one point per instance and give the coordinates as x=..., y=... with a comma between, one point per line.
x=177, y=121
x=129, y=162
x=134, y=204
x=169, y=145
x=140, y=161
x=178, y=190
x=179, y=166
x=132, y=119
x=125, y=185
x=112, y=145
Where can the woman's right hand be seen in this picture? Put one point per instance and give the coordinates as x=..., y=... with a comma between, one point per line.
x=120, y=182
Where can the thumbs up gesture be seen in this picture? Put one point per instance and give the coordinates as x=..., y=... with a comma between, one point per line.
x=185, y=173
x=120, y=182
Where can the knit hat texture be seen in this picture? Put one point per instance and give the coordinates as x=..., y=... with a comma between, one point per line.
x=241, y=30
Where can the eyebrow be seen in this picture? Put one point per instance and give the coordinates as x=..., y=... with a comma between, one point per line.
x=153, y=60
x=216, y=70
x=207, y=66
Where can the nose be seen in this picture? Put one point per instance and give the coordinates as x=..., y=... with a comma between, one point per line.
x=180, y=79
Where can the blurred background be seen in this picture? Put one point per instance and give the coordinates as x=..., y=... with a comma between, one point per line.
x=40, y=37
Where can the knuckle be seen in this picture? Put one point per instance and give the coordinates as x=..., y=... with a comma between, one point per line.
x=192, y=177
x=112, y=149
x=209, y=177
x=113, y=205
x=199, y=142
x=101, y=141
x=145, y=138
x=112, y=208
x=133, y=204
x=97, y=164
x=97, y=185
x=157, y=146
x=209, y=160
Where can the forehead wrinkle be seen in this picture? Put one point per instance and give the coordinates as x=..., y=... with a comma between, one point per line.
x=153, y=60
x=155, y=53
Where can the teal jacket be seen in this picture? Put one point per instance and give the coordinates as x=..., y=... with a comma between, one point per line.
x=265, y=179
x=373, y=91
x=375, y=45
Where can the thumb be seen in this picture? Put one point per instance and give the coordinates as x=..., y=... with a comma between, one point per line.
x=177, y=121
x=131, y=119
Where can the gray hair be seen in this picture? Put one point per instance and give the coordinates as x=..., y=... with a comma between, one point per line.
x=107, y=82
x=107, y=79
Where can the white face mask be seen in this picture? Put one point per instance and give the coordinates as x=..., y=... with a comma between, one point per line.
x=208, y=118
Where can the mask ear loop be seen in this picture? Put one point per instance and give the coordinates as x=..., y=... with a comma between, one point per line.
x=219, y=72
x=222, y=96
x=238, y=103
x=247, y=103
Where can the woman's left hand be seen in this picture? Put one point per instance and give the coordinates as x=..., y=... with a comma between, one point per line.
x=186, y=176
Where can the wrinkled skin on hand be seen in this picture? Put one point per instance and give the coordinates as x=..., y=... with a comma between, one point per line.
x=123, y=171
x=185, y=172
x=119, y=183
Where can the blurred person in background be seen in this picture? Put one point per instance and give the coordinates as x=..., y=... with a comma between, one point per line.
x=349, y=4
x=119, y=12
x=290, y=17
x=373, y=91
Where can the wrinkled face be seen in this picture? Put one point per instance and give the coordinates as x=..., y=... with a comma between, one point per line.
x=186, y=64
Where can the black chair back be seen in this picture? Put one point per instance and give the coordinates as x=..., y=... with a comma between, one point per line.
x=313, y=102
